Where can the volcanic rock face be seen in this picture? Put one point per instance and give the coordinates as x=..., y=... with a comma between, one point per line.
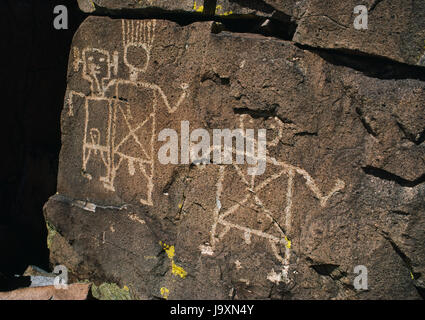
x=344, y=168
x=394, y=29
x=90, y=6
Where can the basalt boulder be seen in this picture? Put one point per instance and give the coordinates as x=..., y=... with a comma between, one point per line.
x=343, y=183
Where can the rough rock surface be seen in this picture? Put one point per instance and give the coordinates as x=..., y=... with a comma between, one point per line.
x=396, y=29
x=343, y=186
x=91, y=6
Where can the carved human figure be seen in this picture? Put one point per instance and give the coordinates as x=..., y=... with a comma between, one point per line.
x=120, y=114
x=247, y=207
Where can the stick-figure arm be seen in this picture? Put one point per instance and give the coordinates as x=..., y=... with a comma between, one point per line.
x=70, y=100
x=312, y=185
x=161, y=93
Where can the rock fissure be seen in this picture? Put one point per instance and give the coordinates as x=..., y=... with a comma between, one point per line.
x=373, y=66
x=385, y=175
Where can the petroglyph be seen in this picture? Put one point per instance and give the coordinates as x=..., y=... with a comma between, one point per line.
x=139, y=36
x=252, y=200
x=114, y=133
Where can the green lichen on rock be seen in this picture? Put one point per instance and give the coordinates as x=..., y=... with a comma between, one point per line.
x=111, y=291
x=51, y=232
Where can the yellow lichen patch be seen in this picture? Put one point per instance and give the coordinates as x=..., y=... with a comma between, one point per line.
x=196, y=8
x=175, y=269
x=411, y=276
x=169, y=250
x=288, y=243
x=226, y=13
x=178, y=271
x=220, y=8
x=165, y=292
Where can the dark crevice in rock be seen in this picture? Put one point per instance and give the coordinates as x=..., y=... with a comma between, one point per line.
x=370, y=65
x=421, y=291
x=256, y=114
x=216, y=78
x=279, y=25
x=406, y=260
x=121, y=99
x=210, y=7
x=306, y=133
x=179, y=16
x=411, y=137
x=374, y=4
x=399, y=212
x=400, y=253
x=332, y=271
x=174, y=177
x=183, y=18
x=324, y=269
x=256, y=25
x=385, y=175
x=269, y=28
x=268, y=113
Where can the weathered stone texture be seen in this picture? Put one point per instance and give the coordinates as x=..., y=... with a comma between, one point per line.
x=343, y=184
x=90, y=6
x=396, y=29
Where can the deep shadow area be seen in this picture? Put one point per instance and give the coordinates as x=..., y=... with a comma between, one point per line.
x=370, y=65
x=33, y=76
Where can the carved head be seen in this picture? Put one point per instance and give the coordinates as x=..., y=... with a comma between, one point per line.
x=138, y=37
x=97, y=67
